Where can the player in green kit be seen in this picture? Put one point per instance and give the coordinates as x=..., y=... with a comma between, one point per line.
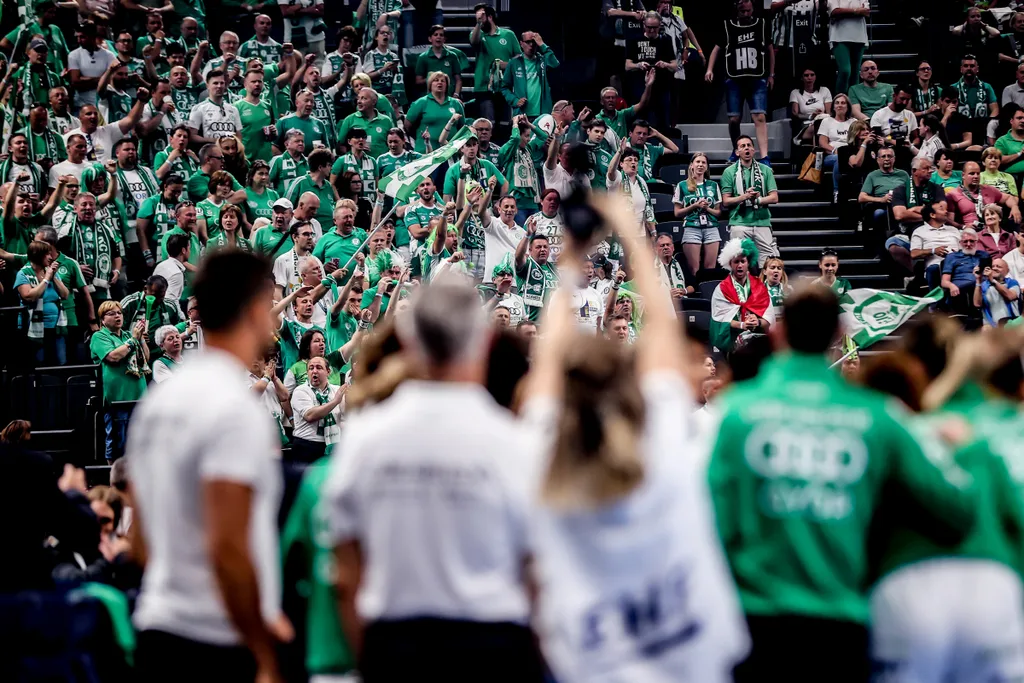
x=797, y=473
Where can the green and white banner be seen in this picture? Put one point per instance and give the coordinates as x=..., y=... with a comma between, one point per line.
x=403, y=181
x=868, y=315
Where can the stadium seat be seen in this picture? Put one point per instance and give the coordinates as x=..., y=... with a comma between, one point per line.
x=670, y=159
x=673, y=228
x=658, y=187
x=697, y=320
x=693, y=304
x=707, y=289
x=673, y=174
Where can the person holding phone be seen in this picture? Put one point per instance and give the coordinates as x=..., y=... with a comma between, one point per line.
x=995, y=293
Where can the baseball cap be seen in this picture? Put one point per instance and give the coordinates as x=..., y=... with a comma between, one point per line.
x=38, y=44
x=283, y=203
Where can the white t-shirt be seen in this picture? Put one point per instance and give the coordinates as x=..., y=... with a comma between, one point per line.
x=586, y=304
x=835, y=131
x=90, y=65
x=848, y=28
x=656, y=551
x=561, y=181
x=173, y=271
x=215, y=121
x=67, y=168
x=286, y=272
x=268, y=399
x=896, y=124
x=101, y=143
x=927, y=237
x=302, y=400
x=809, y=104
x=173, y=449
x=1015, y=264
x=499, y=240
x=515, y=306
x=930, y=147
x=318, y=231
x=431, y=486
x=552, y=228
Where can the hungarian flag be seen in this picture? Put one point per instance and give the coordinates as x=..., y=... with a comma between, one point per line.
x=403, y=181
x=726, y=305
x=869, y=315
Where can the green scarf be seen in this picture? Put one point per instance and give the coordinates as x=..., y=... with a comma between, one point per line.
x=327, y=427
x=981, y=107
x=137, y=365
x=524, y=174
x=539, y=279
x=26, y=84
x=94, y=246
x=756, y=178
x=131, y=205
x=53, y=150
x=33, y=168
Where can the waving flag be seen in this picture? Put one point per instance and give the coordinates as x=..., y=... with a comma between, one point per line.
x=868, y=315
x=403, y=181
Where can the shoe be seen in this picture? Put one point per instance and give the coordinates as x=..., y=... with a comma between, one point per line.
x=766, y=161
x=733, y=158
x=918, y=21
x=835, y=196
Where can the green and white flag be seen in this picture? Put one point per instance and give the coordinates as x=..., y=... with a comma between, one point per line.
x=868, y=315
x=403, y=181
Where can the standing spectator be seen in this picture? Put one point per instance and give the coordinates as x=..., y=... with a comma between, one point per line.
x=926, y=92
x=428, y=116
x=369, y=119
x=828, y=264
x=316, y=407
x=172, y=269
x=958, y=273
x=698, y=202
x=259, y=128
x=290, y=164
x=807, y=104
x=848, y=37
x=934, y=240
x=168, y=340
x=774, y=277
x=749, y=57
x=317, y=183
x=342, y=243
x=869, y=95
x=524, y=85
x=832, y=134
x=515, y=160
x=686, y=47
x=1012, y=146
x=1015, y=91
x=992, y=160
x=100, y=140
x=288, y=267
x=536, y=276
x=639, y=133
x=304, y=26
x=156, y=217
x=502, y=234
x=993, y=239
x=876, y=195
x=740, y=304
x=162, y=311
x=384, y=67
x=975, y=37
x=653, y=52
x=442, y=58
x=967, y=201
x=629, y=183
x=750, y=187
x=124, y=357
x=41, y=290
x=314, y=132
x=350, y=186
x=619, y=120
x=483, y=129
x=471, y=167
x=997, y=294
x=908, y=204
x=359, y=160
x=495, y=48
x=559, y=172
x=226, y=458
x=87, y=63
x=215, y=117
x=977, y=98
x=93, y=245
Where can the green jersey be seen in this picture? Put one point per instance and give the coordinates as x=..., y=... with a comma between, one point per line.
x=600, y=157
x=417, y=214
x=387, y=163
x=376, y=128
x=452, y=61
x=427, y=113
x=759, y=177
x=306, y=534
x=649, y=155
x=198, y=185
x=481, y=171
x=70, y=273
x=209, y=211
x=284, y=169
x=186, y=98
x=325, y=191
x=182, y=165
x=265, y=239
x=323, y=111
x=314, y=132
x=697, y=218
x=289, y=337
x=160, y=215
x=365, y=166
x=341, y=327
x=840, y=285
x=796, y=475
x=342, y=247
x=256, y=117
x=269, y=52
x=536, y=283
x=260, y=205
x=220, y=241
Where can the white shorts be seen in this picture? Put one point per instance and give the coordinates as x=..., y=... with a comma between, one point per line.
x=955, y=620
x=763, y=237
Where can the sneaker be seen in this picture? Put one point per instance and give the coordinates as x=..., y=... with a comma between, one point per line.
x=835, y=196
x=733, y=158
x=766, y=161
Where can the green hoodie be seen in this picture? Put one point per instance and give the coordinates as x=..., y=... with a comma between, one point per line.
x=797, y=474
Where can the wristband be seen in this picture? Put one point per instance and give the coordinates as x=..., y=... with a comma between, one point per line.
x=615, y=286
x=147, y=254
x=363, y=325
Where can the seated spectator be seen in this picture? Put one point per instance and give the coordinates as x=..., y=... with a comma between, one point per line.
x=1015, y=91
x=993, y=239
x=832, y=134
x=853, y=160
x=774, y=277
x=1015, y=259
x=966, y=201
x=925, y=92
x=848, y=36
x=1012, y=147
x=908, y=203
x=934, y=240
x=977, y=98
x=807, y=104
x=992, y=160
x=168, y=340
x=698, y=202
x=869, y=95
x=897, y=124
x=997, y=295
x=876, y=195
x=957, y=125
x=41, y=290
x=740, y=306
x=932, y=137
x=958, y=273
x=828, y=264
x=944, y=175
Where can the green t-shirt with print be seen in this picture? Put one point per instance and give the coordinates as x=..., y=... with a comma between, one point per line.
x=260, y=205
x=284, y=169
x=427, y=113
x=198, y=186
x=289, y=336
x=386, y=164
x=481, y=171
x=159, y=214
x=342, y=247
x=210, y=211
x=182, y=165
x=325, y=192
x=313, y=130
x=255, y=117
x=503, y=45
x=708, y=190
x=266, y=238
x=70, y=273
x=451, y=62
x=417, y=215
x=376, y=130
x=117, y=384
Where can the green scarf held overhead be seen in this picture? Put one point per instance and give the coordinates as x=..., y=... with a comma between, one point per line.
x=524, y=174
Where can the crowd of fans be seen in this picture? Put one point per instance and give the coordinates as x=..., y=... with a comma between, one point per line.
x=135, y=163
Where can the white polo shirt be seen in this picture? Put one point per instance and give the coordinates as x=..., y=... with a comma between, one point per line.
x=100, y=143
x=428, y=482
x=302, y=400
x=499, y=241
x=927, y=237
x=173, y=450
x=173, y=271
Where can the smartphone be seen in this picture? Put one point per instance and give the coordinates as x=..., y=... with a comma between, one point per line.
x=983, y=263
